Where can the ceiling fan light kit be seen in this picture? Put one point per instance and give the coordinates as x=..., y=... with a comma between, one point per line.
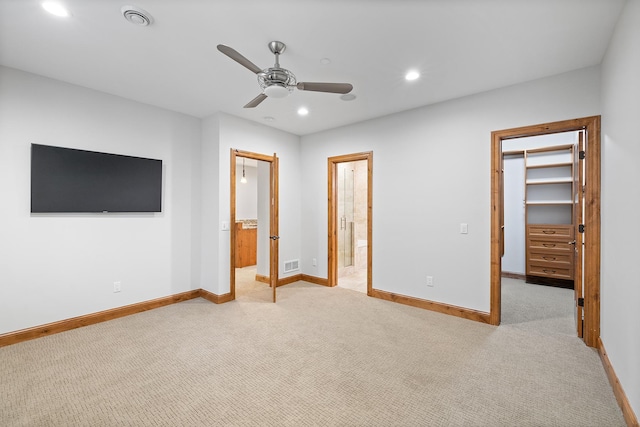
x=277, y=90
x=278, y=82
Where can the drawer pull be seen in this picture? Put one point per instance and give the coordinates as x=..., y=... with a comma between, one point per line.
x=549, y=258
x=549, y=271
x=549, y=231
x=549, y=245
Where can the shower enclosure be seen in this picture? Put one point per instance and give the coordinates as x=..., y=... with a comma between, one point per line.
x=346, y=213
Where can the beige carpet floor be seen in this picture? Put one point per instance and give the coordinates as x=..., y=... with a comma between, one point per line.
x=319, y=357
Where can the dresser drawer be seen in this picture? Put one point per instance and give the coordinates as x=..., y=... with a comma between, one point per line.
x=550, y=246
x=555, y=272
x=550, y=251
x=544, y=231
x=550, y=258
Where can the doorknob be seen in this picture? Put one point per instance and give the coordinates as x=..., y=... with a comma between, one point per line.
x=572, y=243
x=274, y=237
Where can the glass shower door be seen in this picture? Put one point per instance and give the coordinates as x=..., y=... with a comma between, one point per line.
x=346, y=207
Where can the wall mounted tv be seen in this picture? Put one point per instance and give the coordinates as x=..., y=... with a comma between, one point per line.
x=69, y=180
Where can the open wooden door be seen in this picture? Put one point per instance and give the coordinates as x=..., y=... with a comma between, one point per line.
x=578, y=194
x=502, y=210
x=273, y=227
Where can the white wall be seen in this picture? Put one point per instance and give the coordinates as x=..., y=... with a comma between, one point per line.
x=539, y=141
x=225, y=132
x=620, y=324
x=417, y=209
x=513, y=260
x=57, y=266
x=209, y=196
x=247, y=193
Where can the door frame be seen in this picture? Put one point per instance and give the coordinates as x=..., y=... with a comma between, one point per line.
x=332, y=246
x=273, y=217
x=591, y=266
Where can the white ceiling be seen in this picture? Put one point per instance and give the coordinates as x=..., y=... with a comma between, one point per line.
x=461, y=47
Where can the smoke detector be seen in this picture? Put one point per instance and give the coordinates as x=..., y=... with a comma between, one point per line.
x=137, y=16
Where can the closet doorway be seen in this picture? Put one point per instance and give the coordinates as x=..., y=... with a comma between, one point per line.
x=254, y=221
x=350, y=207
x=554, y=223
x=540, y=205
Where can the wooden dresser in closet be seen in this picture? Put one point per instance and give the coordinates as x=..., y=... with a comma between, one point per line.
x=550, y=199
x=550, y=251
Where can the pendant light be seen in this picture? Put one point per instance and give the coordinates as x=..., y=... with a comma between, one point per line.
x=243, y=180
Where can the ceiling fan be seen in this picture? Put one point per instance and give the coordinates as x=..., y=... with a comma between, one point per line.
x=277, y=82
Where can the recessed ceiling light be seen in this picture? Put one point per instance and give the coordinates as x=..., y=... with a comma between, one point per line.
x=348, y=97
x=55, y=9
x=302, y=111
x=412, y=75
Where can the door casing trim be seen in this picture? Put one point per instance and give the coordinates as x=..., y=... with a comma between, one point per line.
x=232, y=216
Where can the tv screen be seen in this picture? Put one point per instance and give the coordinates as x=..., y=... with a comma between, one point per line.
x=69, y=180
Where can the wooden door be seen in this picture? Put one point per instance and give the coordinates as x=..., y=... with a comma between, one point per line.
x=273, y=252
x=578, y=194
x=502, y=243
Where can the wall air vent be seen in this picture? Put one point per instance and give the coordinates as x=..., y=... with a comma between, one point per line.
x=292, y=265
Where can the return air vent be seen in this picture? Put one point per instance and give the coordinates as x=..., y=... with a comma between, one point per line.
x=292, y=265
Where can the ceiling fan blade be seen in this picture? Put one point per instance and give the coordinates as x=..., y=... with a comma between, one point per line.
x=236, y=56
x=256, y=101
x=325, y=87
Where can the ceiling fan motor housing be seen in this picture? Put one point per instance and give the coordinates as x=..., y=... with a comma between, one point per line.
x=276, y=82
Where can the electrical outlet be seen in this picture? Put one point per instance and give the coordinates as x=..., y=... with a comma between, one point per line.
x=116, y=287
x=314, y=262
x=430, y=281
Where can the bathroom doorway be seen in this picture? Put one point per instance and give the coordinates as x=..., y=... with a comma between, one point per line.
x=350, y=221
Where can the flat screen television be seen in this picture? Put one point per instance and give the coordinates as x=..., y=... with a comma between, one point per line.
x=70, y=180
